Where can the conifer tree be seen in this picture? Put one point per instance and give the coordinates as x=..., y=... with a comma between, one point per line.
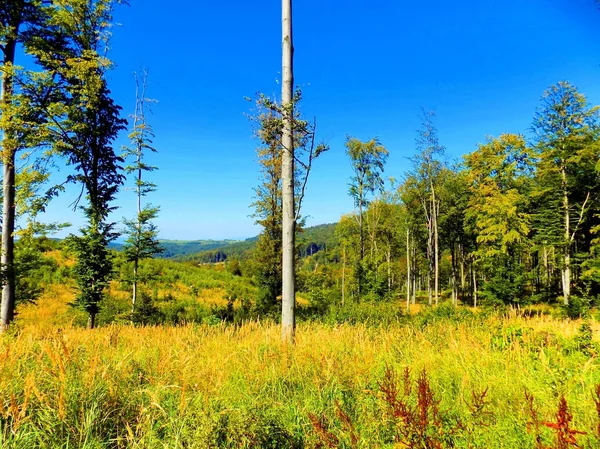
x=88, y=123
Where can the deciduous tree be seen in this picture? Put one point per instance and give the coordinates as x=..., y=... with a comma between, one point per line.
x=142, y=234
x=368, y=162
x=567, y=181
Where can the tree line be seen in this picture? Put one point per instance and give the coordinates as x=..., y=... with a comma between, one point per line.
x=514, y=221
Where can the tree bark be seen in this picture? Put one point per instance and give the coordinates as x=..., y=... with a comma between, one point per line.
x=454, y=276
x=408, y=269
x=474, y=285
x=566, y=270
x=7, y=258
x=288, y=322
x=344, y=275
x=436, y=246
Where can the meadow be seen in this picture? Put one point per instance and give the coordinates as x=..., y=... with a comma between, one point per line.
x=440, y=378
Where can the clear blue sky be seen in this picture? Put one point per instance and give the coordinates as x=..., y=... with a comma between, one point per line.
x=365, y=67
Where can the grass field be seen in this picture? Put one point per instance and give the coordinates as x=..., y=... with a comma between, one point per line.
x=438, y=379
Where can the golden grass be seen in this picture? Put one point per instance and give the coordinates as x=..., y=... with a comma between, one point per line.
x=157, y=374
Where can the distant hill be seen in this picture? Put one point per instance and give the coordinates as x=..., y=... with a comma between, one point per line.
x=177, y=248
x=310, y=241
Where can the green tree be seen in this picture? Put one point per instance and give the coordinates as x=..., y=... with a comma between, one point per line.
x=566, y=179
x=499, y=179
x=23, y=107
x=142, y=234
x=268, y=203
x=454, y=235
x=428, y=171
x=268, y=207
x=368, y=162
x=88, y=125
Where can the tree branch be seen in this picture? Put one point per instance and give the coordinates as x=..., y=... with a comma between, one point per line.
x=580, y=218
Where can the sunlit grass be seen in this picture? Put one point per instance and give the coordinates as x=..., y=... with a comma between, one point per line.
x=221, y=386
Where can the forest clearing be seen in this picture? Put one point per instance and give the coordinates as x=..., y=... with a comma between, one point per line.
x=431, y=284
x=341, y=385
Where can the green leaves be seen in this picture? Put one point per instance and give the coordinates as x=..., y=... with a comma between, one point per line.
x=499, y=178
x=368, y=162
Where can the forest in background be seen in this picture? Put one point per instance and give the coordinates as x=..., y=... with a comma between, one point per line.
x=455, y=307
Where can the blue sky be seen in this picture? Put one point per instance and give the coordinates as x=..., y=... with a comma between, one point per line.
x=365, y=67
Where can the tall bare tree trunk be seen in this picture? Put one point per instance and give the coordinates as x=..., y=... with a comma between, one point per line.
x=288, y=321
x=474, y=285
x=389, y=267
x=566, y=270
x=462, y=271
x=344, y=275
x=7, y=259
x=454, y=275
x=436, y=246
x=408, y=280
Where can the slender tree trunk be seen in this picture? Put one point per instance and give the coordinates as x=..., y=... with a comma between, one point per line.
x=430, y=266
x=474, y=285
x=7, y=258
x=414, y=289
x=463, y=280
x=566, y=270
x=408, y=280
x=288, y=321
x=454, y=276
x=361, y=238
x=91, y=324
x=546, y=272
x=436, y=248
x=136, y=261
x=343, y=275
x=389, y=267
x=135, y=273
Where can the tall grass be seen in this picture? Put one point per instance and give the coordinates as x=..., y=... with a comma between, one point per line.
x=200, y=386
